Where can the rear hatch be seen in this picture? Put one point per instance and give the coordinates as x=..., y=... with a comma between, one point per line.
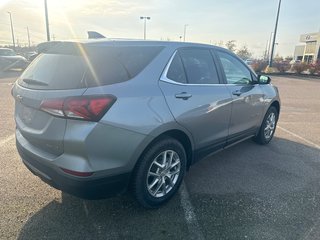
x=66, y=71
x=50, y=76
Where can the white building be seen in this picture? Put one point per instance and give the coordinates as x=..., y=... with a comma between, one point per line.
x=309, y=50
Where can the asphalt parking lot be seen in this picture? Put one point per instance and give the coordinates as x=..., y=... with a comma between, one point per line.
x=245, y=192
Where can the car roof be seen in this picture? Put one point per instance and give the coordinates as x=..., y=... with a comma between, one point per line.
x=145, y=43
x=131, y=42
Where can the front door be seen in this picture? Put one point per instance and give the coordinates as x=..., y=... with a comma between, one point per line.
x=248, y=104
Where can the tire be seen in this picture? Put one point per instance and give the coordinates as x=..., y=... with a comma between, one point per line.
x=150, y=176
x=265, y=135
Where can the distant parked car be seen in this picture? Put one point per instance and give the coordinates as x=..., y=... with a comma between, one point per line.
x=41, y=48
x=95, y=118
x=30, y=55
x=9, y=59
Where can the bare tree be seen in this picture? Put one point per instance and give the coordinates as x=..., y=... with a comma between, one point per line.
x=231, y=45
x=244, y=53
x=220, y=43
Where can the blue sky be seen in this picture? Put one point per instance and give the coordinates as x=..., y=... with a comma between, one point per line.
x=249, y=22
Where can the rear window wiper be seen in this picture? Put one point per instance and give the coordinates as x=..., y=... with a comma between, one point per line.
x=34, y=82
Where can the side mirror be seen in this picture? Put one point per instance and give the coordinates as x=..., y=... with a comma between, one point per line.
x=262, y=79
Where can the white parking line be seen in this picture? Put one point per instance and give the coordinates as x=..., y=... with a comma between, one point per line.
x=6, y=140
x=85, y=208
x=297, y=136
x=313, y=232
x=192, y=222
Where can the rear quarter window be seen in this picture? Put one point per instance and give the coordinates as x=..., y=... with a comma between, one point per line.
x=117, y=64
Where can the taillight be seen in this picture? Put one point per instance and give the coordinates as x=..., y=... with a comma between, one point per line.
x=54, y=107
x=90, y=108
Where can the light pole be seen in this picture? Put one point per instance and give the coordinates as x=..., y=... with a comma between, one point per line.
x=184, y=32
x=13, y=42
x=145, y=26
x=268, y=55
x=266, y=51
x=274, y=35
x=47, y=20
x=28, y=37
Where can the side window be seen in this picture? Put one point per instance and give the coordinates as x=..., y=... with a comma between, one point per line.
x=176, y=72
x=235, y=71
x=199, y=66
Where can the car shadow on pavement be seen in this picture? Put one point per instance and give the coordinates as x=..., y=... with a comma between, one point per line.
x=258, y=192
x=115, y=218
x=246, y=192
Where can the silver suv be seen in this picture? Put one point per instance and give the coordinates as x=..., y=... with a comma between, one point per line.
x=97, y=118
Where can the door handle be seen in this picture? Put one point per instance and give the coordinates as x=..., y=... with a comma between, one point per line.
x=236, y=93
x=183, y=95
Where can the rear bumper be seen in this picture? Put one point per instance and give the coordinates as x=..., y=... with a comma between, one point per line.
x=83, y=187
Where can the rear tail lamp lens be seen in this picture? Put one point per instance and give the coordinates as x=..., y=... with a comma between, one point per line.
x=90, y=108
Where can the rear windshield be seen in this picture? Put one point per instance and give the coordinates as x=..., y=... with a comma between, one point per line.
x=81, y=67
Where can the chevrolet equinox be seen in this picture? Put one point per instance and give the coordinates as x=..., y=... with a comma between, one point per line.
x=98, y=117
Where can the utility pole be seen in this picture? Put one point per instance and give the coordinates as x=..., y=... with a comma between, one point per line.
x=184, y=32
x=28, y=37
x=266, y=51
x=13, y=42
x=274, y=35
x=145, y=26
x=268, y=55
x=47, y=20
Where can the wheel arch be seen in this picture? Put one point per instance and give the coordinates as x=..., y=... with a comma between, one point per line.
x=177, y=133
x=184, y=139
x=276, y=104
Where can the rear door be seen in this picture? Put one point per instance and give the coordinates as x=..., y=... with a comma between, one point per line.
x=247, y=107
x=196, y=98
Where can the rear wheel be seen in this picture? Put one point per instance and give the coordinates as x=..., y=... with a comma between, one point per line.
x=268, y=126
x=159, y=173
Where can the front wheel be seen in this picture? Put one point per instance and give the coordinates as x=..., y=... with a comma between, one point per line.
x=268, y=126
x=159, y=173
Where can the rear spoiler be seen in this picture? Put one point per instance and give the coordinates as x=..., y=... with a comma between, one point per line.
x=47, y=46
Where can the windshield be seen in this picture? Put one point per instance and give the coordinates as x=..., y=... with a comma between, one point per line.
x=7, y=52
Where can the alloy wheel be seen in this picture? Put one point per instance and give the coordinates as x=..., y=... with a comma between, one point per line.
x=270, y=125
x=163, y=173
